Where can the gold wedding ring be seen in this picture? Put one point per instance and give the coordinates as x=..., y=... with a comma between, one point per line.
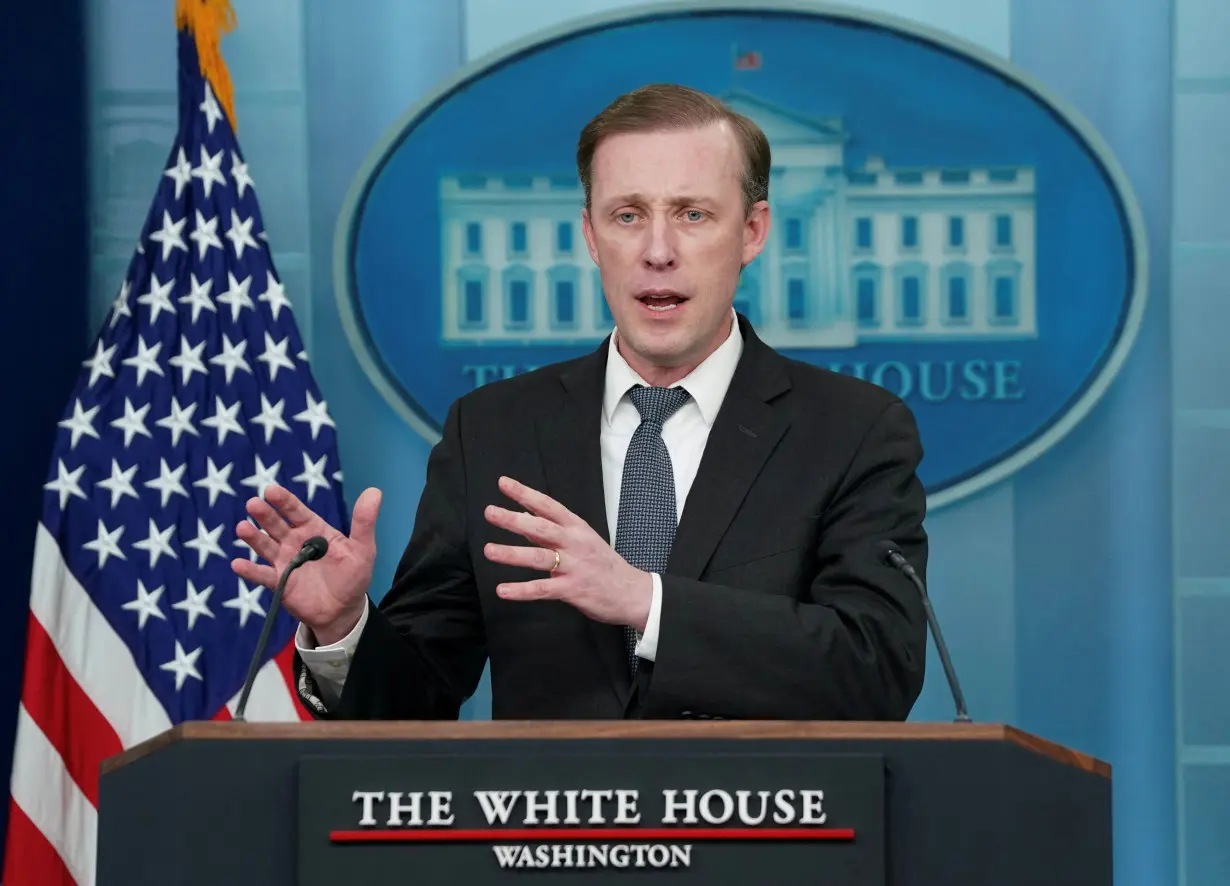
x=555, y=565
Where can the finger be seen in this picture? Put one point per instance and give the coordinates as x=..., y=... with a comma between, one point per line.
x=536, y=502
x=363, y=519
x=262, y=544
x=515, y=555
x=295, y=511
x=537, y=529
x=269, y=519
x=255, y=573
x=539, y=589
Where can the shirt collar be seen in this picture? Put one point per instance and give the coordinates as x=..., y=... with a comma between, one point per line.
x=707, y=383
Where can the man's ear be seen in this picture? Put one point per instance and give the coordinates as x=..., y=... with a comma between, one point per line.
x=587, y=228
x=755, y=231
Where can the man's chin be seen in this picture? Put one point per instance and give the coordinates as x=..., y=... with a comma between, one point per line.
x=660, y=347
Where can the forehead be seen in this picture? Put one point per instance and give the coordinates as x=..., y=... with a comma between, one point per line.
x=694, y=160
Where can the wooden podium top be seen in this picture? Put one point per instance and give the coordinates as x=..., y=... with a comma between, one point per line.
x=605, y=729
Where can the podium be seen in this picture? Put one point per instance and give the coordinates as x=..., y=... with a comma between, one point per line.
x=596, y=802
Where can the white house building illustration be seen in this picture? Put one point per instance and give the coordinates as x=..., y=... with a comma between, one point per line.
x=854, y=255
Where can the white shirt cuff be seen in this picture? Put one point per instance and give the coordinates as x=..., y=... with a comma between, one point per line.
x=329, y=664
x=647, y=646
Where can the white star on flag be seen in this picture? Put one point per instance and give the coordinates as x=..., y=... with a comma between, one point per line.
x=209, y=171
x=157, y=543
x=240, y=234
x=198, y=298
x=231, y=359
x=275, y=296
x=180, y=173
x=195, y=604
x=316, y=414
x=66, y=484
x=100, y=364
x=119, y=484
x=215, y=480
x=132, y=422
x=168, y=483
x=184, y=665
x=263, y=477
x=81, y=422
x=145, y=361
x=206, y=542
x=170, y=236
x=179, y=420
x=237, y=296
x=225, y=419
x=146, y=604
x=243, y=181
x=107, y=544
x=270, y=417
x=205, y=234
x=247, y=601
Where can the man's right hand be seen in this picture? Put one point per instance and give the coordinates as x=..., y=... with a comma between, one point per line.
x=329, y=595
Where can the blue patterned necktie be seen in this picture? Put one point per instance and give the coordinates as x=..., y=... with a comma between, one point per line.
x=647, y=510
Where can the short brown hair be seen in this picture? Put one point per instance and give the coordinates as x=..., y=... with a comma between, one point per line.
x=660, y=106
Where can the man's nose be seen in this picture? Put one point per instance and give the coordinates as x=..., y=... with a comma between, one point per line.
x=660, y=249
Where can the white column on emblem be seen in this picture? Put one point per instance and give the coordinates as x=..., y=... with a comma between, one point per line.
x=772, y=292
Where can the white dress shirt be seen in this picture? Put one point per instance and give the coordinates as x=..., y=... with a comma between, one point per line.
x=685, y=434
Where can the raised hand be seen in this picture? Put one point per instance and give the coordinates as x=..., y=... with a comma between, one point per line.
x=328, y=595
x=582, y=569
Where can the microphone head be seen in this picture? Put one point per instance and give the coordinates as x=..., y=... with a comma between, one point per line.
x=893, y=556
x=314, y=548
x=887, y=549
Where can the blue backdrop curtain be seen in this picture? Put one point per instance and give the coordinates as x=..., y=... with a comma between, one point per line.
x=44, y=290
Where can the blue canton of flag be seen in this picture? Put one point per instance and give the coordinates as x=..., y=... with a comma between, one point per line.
x=197, y=396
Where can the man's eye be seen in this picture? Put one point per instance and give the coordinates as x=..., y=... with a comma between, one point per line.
x=695, y=215
x=626, y=216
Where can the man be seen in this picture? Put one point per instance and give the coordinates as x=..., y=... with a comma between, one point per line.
x=546, y=539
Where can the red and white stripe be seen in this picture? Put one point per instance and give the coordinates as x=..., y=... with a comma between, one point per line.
x=83, y=700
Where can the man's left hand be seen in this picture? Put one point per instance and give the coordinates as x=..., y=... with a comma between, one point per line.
x=590, y=575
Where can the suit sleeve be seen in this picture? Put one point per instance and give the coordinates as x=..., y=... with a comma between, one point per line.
x=423, y=649
x=851, y=645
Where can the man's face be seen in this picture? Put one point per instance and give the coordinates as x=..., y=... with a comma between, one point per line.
x=668, y=230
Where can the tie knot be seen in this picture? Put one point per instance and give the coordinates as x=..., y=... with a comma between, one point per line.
x=656, y=405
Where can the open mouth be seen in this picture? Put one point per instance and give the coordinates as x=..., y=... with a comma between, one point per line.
x=661, y=301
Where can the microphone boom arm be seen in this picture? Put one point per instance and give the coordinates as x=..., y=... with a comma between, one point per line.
x=313, y=549
x=901, y=563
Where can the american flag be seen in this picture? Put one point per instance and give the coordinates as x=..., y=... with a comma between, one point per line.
x=195, y=396
x=748, y=61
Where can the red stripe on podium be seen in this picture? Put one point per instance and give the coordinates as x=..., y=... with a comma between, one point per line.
x=542, y=835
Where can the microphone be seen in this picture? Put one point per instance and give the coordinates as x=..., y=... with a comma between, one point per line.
x=895, y=557
x=313, y=549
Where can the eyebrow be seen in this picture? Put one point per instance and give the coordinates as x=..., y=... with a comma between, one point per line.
x=624, y=199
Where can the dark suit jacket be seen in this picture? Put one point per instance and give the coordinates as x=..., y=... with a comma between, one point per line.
x=775, y=604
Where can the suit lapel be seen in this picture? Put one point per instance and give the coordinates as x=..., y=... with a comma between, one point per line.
x=745, y=433
x=569, y=439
